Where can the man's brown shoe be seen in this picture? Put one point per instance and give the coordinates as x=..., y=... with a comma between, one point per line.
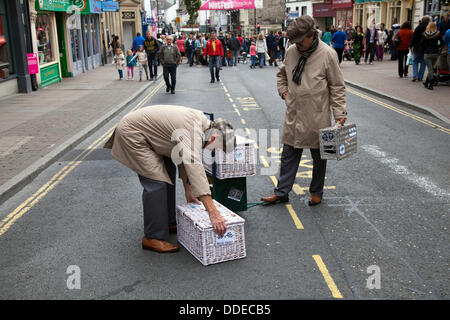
x=158, y=245
x=273, y=199
x=173, y=229
x=314, y=200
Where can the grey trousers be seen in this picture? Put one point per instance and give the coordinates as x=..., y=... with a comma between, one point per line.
x=158, y=200
x=290, y=159
x=430, y=61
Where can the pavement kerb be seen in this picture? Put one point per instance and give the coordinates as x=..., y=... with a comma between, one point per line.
x=416, y=107
x=10, y=187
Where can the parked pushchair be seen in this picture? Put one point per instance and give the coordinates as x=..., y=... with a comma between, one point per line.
x=242, y=57
x=348, y=53
x=442, y=74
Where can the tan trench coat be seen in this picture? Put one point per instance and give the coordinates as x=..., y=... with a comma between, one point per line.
x=143, y=137
x=309, y=104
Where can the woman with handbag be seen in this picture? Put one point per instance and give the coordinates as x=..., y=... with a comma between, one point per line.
x=431, y=47
x=401, y=41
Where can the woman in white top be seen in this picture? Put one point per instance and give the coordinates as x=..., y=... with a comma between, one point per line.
x=261, y=49
x=382, y=36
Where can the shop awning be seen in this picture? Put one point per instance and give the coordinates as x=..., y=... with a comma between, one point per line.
x=323, y=10
x=53, y=5
x=228, y=5
x=337, y=4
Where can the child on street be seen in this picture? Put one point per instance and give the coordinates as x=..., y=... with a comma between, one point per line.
x=131, y=63
x=142, y=61
x=253, y=55
x=119, y=62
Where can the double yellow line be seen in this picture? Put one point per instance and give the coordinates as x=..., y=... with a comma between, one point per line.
x=23, y=208
x=407, y=114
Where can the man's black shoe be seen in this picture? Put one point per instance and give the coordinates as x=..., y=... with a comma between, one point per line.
x=167, y=89
x=218, y=79
x=212, y=81
x=172, y=92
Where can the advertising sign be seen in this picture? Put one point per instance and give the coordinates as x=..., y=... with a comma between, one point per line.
x=228, y=5
x=33, y=67
x=110, y=6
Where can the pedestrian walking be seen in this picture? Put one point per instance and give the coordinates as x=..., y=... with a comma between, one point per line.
x=180, y=45
x=339, y=41
x=197, y=49
x=144, y=140
x=261, y=49
x=131, y=63
x=214, y=51
x=119, y=62
x=309, y=103
x=403, y=38
x=272, y=44
x=371, y=38
x=142, y=62
x=253, y=55
x=392, y=48
x=350, y=32
x=282, y=44
x=415, y=45
x=138, y=41
x=358, y=44
x=170, y=58
x=223, y=41
x=327, y=36
x=431, y=47
x=151, y=47
x=381, y=39
x=189, y=45
x=234, y=45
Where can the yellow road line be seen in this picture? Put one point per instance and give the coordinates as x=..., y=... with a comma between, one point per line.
x=264, y=162
x=294, y=216
x=274, y=180
x=24, y=207
x=237, y=111
x=247, y=130
x=242, y=121
x=407, y=114
x=328, y=279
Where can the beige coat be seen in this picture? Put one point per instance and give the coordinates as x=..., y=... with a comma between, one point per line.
x=143, y=137
x=309, y=104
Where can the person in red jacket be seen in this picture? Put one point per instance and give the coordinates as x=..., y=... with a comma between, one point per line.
x=405, y=34
x=214, y=50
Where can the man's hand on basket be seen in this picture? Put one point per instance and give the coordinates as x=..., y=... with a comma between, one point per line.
x=218, y=223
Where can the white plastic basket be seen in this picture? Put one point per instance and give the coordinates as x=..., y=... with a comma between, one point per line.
x=196, y=234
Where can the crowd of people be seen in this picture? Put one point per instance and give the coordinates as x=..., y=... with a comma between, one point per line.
x=423, y=47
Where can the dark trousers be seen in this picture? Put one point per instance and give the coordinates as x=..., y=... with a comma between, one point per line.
x=370, y=50
x=290, y=159
x=402, y=67
x=283, y=52
x=153, y=65
x=339, y=52
x=170, y=69
x=158, y=200
x=190, y=56
x=214, y=62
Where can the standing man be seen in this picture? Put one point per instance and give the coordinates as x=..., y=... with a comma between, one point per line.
x=170, y=58
x=339, y=40
x=282, y=43
x=312, y=85
x=152, y=46
x=371, y=38
x=214, y=50
x=234, y=46
x=138, y=41
x=394, y=29
x=149, y=141
x=189, y=44
x=224, y=47
x=417, y=49
x=271, y=47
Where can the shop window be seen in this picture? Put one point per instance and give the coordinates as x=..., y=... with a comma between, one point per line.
x=6, y=67
x=43, y=36
x=75, y=44
x=94, y=35
x=304, y=11
x=395, y=9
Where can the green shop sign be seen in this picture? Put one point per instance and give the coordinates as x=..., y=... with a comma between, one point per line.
x=53, y=5
x=50, y=75
x=80, y=6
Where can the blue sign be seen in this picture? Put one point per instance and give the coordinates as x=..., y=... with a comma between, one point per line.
x=293, y=14
x=110, y=6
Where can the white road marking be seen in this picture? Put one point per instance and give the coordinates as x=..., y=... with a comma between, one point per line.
x=393, y=163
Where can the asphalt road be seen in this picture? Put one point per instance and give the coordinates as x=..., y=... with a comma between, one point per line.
x=387, y=206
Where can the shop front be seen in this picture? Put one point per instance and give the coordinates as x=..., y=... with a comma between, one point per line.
x=84, y=36
x=323, y=14
x=14, y=75
x=387, y=12
x=344, y=12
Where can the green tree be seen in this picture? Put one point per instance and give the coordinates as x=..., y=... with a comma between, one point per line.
x=192, y=7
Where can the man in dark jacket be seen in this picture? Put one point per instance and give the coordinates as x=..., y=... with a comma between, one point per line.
x=170, y=58
x=272, y=47
x=234, y=45
x=394, y=29
x=189, y=45
x=222, y=39
x=415, y=45
x=282, y=45
x=152, y=46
